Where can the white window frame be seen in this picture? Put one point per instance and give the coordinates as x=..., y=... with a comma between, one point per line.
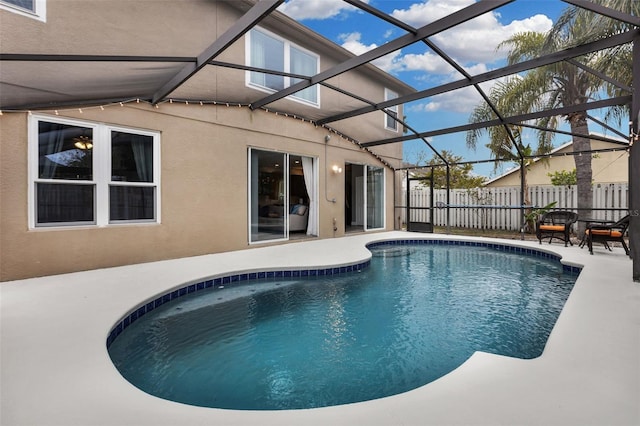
x=287, y=66
x=389, y=95
x=101, y=173
x=39, y=13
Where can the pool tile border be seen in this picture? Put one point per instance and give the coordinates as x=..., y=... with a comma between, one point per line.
x=570, y=269
x=221, y=281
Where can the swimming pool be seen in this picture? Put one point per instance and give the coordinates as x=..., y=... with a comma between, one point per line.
x=406, y=319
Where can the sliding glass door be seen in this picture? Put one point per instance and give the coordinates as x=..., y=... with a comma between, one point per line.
x=375, y=197
x=267, y=195
x=282, y=195
x=364, y=197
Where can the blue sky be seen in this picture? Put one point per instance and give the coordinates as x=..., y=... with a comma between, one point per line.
x=473, y=46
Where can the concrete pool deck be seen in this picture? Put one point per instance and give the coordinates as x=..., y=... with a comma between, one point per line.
x=55, y=369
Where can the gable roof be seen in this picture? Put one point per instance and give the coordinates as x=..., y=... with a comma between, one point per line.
x=618, y=145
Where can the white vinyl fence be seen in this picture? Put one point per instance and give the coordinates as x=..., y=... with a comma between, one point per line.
x=499, y=208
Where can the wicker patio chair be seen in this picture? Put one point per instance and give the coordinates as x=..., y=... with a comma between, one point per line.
x=603, y=233
x=556, y=224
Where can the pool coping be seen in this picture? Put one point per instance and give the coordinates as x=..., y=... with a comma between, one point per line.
x=53, y=333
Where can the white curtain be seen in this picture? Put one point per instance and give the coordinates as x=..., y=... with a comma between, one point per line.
x=142, y=147
x=309, y=182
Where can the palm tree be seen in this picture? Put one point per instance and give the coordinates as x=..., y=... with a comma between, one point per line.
x=505, y=142
x=579, y=26
x=554, y=86
x=616, y=62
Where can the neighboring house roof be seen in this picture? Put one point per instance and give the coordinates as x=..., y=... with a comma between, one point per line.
x=555, y=162
x=516, y=169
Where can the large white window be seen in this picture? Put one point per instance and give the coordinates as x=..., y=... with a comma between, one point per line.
x=268, y=51
x=85, y=173
x=392, y=112
x=32, y=8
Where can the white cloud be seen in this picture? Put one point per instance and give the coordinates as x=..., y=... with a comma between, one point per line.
x=352, y=42
x=389, y=62
x=476, y=69
x=424, y=107
x=475, y=40
x=427, y=62
x=435, y=68
x=462, y=101
x=315, y=9
x=420, y=14
x=539, y=23
x=472, y=44
x=393, y=62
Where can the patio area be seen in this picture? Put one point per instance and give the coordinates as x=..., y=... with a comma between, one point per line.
x=55, y=369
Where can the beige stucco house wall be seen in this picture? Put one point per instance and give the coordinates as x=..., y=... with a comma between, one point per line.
x=607, y=167
x=204, y=149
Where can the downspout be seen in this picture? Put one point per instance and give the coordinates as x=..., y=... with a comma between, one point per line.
x=431, y=198
x=524, y=220
x=408, y=203
x=327, y=138
x=634, y=164
x=448, y=199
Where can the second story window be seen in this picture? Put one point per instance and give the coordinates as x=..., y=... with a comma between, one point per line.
x=391, y=112
x=23, y=4
x=268, y=51
x=31, y=8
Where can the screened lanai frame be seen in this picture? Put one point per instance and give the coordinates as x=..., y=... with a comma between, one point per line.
x=160, y=87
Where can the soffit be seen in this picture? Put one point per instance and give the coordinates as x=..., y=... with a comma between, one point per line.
x=50, y=84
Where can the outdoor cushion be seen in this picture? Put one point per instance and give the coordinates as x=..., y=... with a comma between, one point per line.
x=615, y=234
x=552, y=227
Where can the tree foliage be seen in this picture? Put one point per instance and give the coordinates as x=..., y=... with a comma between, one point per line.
x=505, y=142
x=460, y=175
x=616, y=62
x=563, y=178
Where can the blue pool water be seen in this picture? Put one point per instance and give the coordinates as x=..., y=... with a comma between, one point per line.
x=414, y=315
